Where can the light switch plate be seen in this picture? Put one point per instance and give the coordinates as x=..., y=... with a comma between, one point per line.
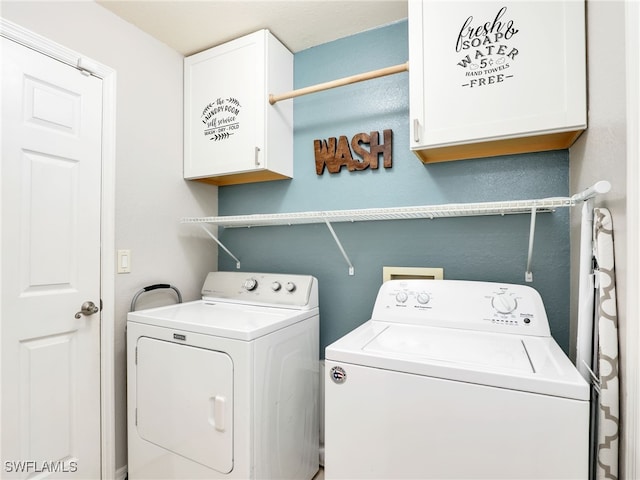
x=124, y=261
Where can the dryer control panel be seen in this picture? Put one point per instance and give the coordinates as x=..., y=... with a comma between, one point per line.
x=273, y=289
x=471, y=305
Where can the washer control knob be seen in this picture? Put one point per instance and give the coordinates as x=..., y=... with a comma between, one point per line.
x=401, y=297
x=290, y=286
x=423, y=298
x=250, y=284
x=504, y=303
x=275, y=286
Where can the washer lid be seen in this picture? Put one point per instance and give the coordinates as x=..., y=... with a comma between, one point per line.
x=525, y=363
x=228, y=320
x=455, y=347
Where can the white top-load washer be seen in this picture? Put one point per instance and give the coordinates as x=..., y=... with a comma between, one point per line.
x=226, y=387
x=454, y=380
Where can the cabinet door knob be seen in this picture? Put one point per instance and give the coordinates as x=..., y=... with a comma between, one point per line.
x=257, y=156
x=416, y=126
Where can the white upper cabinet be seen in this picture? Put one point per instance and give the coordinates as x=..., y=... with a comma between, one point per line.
x=231, y=133
x=492, y=78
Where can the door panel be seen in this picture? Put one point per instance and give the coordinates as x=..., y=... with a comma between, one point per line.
x=50, y=257
x=51, y=107
x=50, y=185
x=48, y=377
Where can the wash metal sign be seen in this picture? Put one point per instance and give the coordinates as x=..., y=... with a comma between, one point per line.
x=335, y=153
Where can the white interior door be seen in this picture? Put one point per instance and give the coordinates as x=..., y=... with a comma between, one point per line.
x=50, y=259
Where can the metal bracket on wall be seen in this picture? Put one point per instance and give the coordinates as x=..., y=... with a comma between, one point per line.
x=222, y=246
x=528, y=276
x=337, y=240
x=587, y=196
x=333, y=233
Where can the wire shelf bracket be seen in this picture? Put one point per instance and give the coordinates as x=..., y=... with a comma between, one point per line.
x=222, y=246
x=532, y=207
x=528, y=275
x=341, y=248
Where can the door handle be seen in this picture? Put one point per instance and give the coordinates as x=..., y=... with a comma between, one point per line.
x=216, y=412
x=257, y=159
x=87, y=308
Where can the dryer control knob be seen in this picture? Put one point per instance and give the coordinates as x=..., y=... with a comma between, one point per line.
x=423, y=298
x=250, y=284
x=290, y=286
x=401, y=297
x=504, y=303
x=275, y=286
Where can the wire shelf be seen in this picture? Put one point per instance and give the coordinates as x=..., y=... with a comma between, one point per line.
x=532, y=207
x=392, y=213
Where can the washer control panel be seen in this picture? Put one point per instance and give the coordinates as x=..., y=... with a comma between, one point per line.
x=262, y=288
x=487, y=306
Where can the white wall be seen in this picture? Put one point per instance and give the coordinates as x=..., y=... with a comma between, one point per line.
x=600, y=153
x=151, y=196
x=631, y=364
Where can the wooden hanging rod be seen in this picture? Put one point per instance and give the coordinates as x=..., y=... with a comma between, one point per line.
x=383, y=72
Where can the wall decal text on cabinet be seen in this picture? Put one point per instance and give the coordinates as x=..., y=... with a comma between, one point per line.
x=220, y=119
x=493, y=78
x=487, y=50
x=231, y=133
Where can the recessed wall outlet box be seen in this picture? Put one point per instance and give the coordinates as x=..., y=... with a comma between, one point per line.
x=402, y=273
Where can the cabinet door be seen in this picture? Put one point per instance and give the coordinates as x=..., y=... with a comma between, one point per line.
x=224, y=108
x=482, y=71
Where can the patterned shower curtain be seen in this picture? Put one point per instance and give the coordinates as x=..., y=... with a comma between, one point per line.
x=606, y=340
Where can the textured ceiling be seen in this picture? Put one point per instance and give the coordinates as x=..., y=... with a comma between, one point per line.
x=192, y=26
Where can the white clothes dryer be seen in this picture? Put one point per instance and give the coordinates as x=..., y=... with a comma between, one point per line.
x=454, y=380
x=226, y=387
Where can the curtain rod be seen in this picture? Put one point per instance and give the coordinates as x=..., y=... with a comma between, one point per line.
x=404, y=67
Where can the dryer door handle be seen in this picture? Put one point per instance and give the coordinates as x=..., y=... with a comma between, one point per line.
x=216, y=412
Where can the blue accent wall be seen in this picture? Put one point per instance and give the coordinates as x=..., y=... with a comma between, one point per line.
x=473, y=248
